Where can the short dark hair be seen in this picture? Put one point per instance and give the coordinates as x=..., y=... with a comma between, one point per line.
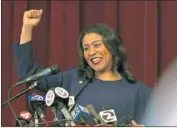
x=114, y=45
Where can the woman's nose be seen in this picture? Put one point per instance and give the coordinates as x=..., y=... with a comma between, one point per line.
x=92, y=52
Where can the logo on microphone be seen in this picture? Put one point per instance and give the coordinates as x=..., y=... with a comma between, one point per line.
x=25, y=115
x=61, y=92
x=50, y=97
x=80, y=114
x=37, y=97
x=108, y=116
x=71, y=101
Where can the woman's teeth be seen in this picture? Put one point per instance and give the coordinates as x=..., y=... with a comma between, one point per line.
x=96, y=60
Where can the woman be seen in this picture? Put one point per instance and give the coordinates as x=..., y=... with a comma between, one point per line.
x=103, y=77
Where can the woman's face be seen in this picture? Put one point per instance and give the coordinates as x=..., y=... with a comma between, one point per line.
x=95, y=53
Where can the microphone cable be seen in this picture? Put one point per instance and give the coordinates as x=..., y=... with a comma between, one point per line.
x=11, y=108
x=56, y=122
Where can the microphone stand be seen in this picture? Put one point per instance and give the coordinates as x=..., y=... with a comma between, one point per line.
x=61, y=106
x=33, y=85
x=54, y=110
x=36, y=120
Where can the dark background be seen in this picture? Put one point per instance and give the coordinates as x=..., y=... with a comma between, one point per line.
x=148, y=30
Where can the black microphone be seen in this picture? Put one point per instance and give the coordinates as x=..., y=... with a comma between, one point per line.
x=25, y=119
x=55, y=94
x=48, y=71
x=95, y=115
x=55, y=111
x=59, y=97
x=37, y=104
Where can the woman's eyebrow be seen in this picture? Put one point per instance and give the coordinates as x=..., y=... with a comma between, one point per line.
x=93, y=42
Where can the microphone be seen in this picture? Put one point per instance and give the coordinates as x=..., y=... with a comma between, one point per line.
x=55, y=94
x=25, y=119
x=108, y=116
x=59, y=97
x=95, y=115
x=71, y=102
x=80, y=114
x=49, y=100
x=48, y=71
x=37, y=103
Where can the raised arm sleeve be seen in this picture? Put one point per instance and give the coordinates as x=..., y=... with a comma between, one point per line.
x=27, y=66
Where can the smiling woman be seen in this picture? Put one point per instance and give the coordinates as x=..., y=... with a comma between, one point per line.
x=103, y=55
x=97, y=55
x=103, y=78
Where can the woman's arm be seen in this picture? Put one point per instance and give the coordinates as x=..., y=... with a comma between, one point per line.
x=26, y=63
x=31, y=18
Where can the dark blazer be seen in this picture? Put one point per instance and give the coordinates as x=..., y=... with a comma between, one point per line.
x=26, y=66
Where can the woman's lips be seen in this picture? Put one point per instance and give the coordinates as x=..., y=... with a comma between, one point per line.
x=96, y=60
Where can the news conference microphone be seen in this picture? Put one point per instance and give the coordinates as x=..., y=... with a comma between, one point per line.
x=108, y=116
x=50, y=102
x=71, y=102
x=37, y=104
x=95, y=115
x=25, y=119
x=59, y=97
x=80, y=114
x=48, y=71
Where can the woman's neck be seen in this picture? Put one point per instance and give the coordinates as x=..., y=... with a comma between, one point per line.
x=108, y=76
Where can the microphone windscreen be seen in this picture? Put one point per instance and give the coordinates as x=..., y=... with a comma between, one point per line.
x=93, y=112
x=54, y=69
x=108, y=116
x=80, y=114
x=25, y=115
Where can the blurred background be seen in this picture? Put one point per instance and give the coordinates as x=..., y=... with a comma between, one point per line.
x=148, y=30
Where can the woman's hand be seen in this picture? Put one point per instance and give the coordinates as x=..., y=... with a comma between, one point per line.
x=134, y=124
x=32, y=17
